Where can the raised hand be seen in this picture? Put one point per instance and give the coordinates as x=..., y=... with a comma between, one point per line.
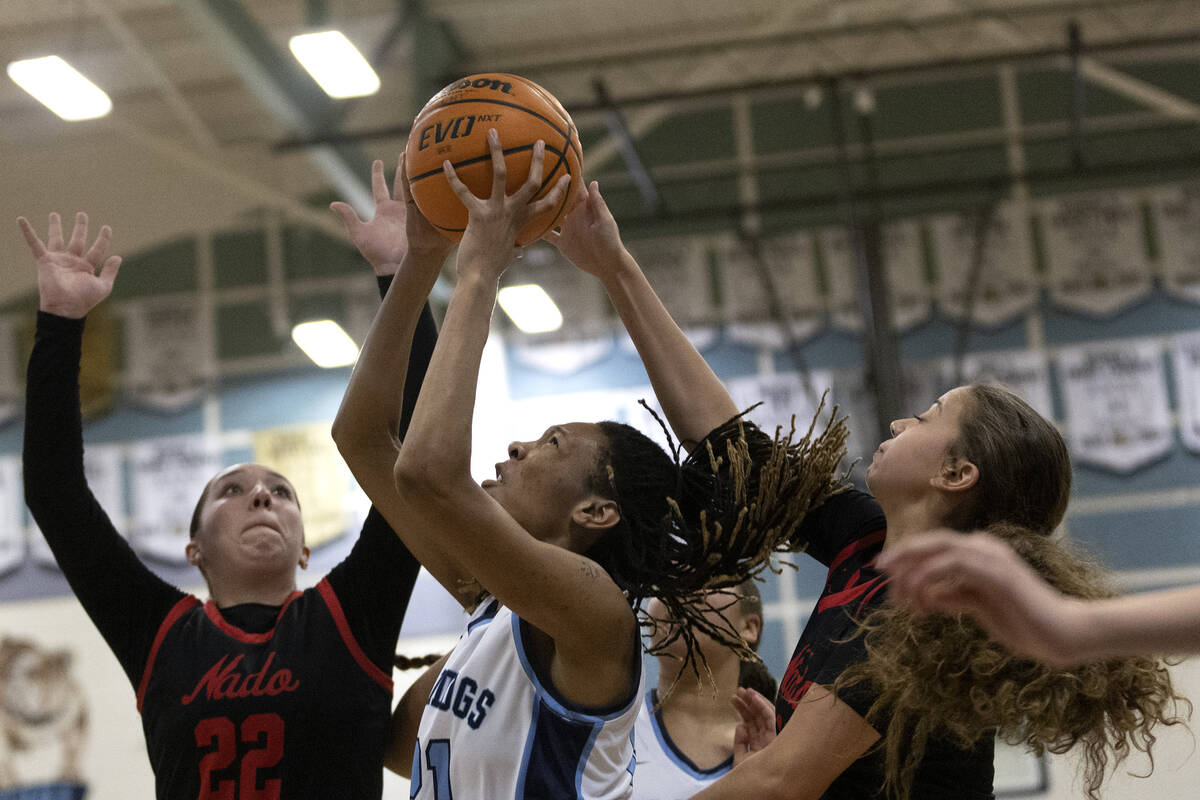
x=71, y=280
x=397, y=228
x=488, y=245
x=589, y=236
x=757, y=728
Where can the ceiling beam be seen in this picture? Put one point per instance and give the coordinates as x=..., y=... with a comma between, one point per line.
x=285, y=89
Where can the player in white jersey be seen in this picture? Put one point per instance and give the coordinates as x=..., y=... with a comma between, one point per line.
x=575, y=530
x=686, y=732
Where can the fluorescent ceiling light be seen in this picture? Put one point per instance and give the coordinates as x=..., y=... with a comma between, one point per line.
x=325, y=343
x=530, y=308
x=60, y=87
x=335, y=64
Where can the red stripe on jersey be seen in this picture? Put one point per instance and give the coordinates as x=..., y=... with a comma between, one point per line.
x=339, y=619
x=861, y=544
x=214, y=614
x=184, y=605
x=851, y=593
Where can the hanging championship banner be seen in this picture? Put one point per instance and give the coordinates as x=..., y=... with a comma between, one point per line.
x=1116, y=403
x=167, y=476
x=169, y=353
x=580, y=296
x=678, y=270
x=783, y=396
x=12, y=514
x=308, y=458
x=1177, y=220
x=1006, y=283
x=1023, y=372
x=1185, y=353
x=791, y=263
x=12, y=395
x=904, y=265
x=1095, y=251
x=102, y=468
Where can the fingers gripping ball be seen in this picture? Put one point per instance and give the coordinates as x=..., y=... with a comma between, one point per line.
x=454, y=126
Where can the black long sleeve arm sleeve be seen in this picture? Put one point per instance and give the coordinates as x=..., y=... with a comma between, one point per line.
x=124, y=599
x=375, y=582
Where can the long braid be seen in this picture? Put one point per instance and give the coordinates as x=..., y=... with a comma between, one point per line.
x=711, y=520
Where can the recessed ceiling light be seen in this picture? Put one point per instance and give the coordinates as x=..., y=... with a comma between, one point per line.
x=60, y=87
x=325, y=343
x=530, y=308
x=335, y=64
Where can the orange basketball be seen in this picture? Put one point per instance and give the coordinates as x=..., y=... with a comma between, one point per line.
x=454, y=125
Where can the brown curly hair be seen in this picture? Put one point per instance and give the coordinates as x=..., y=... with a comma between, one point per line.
x=942, y=675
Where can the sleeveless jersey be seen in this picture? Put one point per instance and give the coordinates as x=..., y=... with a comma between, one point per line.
x=663, y=771
x=227, y=714
x=494, y=728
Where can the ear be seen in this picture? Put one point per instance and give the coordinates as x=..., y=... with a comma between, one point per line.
x=596, y=513
x=192, y=551
x=304, y=554
x=751, y=628
x=956, y=475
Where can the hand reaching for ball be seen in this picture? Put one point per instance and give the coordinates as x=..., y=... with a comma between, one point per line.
x=493, y=222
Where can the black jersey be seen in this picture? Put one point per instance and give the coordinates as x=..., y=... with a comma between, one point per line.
x=297, y=711
x=846, y=534
x=316, y=670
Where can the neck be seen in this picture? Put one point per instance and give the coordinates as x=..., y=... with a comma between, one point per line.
x=265, y=590
x=912, y=517
x=696, y=698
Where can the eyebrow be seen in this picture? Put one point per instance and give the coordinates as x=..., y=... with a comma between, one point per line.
x=557, y=429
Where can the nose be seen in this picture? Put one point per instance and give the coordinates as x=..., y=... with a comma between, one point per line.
x=898, y=426
x=260, y=496
x=517, y=450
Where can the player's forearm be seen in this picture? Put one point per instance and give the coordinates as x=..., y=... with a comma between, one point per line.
x=437, y=451
x=1166, y=623
x=693, y=398
x=370, y=412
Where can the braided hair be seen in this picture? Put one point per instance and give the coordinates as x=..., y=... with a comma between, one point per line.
x=711, y=520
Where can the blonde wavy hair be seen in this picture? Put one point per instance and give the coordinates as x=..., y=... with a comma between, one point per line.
x=941, y=675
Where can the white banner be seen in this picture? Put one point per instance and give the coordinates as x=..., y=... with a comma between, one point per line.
x=1007, y=283
x=678, y=270
x=1186, y=360
x=783, y=396
x=167, y=476
x=102, y=468
x=169, y=353
x=1177, y=220
x=791, y=263
x=1095, y=251
x=12, y=514
x=904, y=265
x=1116, y=403
x=1024, y=372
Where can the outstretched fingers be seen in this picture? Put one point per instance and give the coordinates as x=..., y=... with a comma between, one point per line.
x=99, y=249
x=54, y=236
x=78, y=234
x=499, y=166
x=31, y=238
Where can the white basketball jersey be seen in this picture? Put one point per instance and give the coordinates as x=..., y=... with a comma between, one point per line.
x=663, y=772
x=492, y=728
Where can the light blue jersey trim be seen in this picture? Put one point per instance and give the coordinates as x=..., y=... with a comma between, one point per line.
x=583, y=760
x=552, y=702
x=678, y=758
x=519, y=791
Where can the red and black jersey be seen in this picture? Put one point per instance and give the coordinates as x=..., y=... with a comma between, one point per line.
x=846, y=534
x=297, y=711
x=290, y=701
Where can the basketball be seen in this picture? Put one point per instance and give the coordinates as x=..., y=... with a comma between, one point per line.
x=454, y=125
